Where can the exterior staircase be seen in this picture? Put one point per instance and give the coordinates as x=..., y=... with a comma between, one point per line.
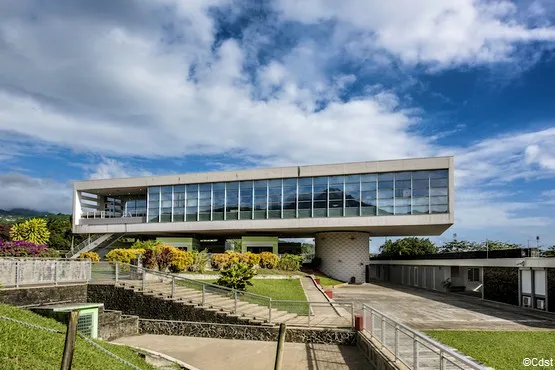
x=98, y=241
x=249, y=313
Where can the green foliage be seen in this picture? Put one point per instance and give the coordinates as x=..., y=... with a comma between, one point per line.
x=249, y=258
x=124, y=255
x=410, y=246
x=200, y=259
x=93, y=256
x=290, y=262
x=237, y=245
x=181, y=261
x=269, y=260
x=60, y=232
x=146, y=244
x=49, y=253
x=468, y=246
x=237, y=276
x=307, y=248
x=33, y=230
x=549, y=252
x=24, y=347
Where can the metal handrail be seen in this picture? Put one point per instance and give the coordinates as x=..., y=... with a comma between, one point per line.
x=418, y=338
x=83, y=245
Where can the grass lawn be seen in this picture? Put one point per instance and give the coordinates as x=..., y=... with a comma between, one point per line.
x=278, y=289
x=326, y=281
x=22, y=347
x=500, y=349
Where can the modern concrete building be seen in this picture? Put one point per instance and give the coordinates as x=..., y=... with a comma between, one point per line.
x=340, y=205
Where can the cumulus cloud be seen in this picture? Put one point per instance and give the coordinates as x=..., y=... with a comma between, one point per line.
x=440, y=32
x=109, y=168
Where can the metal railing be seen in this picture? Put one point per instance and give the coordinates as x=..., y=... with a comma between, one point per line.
x=112, y=214
x=238, y=302
x=79, y=247
x=16, y=272
x=409, y=346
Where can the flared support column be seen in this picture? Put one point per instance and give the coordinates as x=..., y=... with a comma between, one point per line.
x=344, y=254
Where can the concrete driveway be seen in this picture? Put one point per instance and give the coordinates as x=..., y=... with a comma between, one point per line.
x=212, y=353
x=424, y=309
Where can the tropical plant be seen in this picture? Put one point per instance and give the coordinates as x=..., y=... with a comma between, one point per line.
x=5, y=232
x=410, y=246
x=237, y=276
x=33, y=230
x=124, y=255
x=249, y=258
x=20, y=248
x=164, y=256
x=220, y=260
x=49, y=253
x=149, y=259
x=290, y=262
x=181, y=261
x=200, y=259
x=146, y=244
x=268, y=260
x=92, y=256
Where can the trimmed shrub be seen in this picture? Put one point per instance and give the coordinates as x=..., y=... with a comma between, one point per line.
x=268, y=260
x=220, y=260
x=33, y=230
x=249, y=258
x=237, y=276
x=200, y=259
x=290, y=262
x=49, y=253
x=124, y=255
x=93, y=256
x=181, y=260
x=21, y=249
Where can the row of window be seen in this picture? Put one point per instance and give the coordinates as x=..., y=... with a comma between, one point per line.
x=401, y=193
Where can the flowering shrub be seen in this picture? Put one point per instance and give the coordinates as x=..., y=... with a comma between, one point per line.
x=124, y=255
x=269, y=260
x=93, y=256
x=181, y=261
x=21, y=248
x=220, y=260
x=249, y=258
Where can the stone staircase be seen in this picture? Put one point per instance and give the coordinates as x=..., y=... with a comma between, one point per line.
x=248, y=313
x=113, y=324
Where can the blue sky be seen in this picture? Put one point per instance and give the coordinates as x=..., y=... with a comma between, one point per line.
x=112, y=89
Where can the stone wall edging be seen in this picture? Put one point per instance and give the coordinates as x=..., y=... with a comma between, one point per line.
x=246, y=332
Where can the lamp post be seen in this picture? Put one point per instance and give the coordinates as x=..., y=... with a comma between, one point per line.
x=537, y=242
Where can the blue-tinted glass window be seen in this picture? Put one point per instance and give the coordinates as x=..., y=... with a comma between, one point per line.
x=439, y=185
x=246, y=200
x=289, y=198
x=232, y=200
x=403, y=193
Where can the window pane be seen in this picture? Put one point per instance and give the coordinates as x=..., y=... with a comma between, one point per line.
x=154, y=190
x=438, y=200
x=166, y=189
x=420, y=192
x=438, y=191
x=368, y=186
x=246, y=185
x=232, y=185
x=352, y=179
x=439, y=183
x=439, y=209
x=192, y=188
x=385, y=202
x=305, y=181
x=369, y=178
x=336, y=196
x=423, y=201
x=402, y=210
x=420, y=175
x=385, y=185
x=385, y=194
x=420, y=210
x=385, y=176
x=385, y=210
x=402, y=176
x=402, y=202
x=290, y=182
x=439, y=174
x=368, y=211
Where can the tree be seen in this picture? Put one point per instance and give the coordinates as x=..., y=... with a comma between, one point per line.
x=459, y=246
x=410, y=246
x=33, y=230
x=549, y=252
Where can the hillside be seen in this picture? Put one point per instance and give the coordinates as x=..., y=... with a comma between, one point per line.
x=22, y=347
x=18, y=214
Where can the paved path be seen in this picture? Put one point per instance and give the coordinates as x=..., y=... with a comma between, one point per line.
x=423, y=309
x=209, y=353
x=315, y=295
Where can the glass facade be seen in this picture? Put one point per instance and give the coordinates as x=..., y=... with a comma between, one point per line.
x=390, y=193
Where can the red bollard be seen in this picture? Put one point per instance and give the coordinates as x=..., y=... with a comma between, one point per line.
x=359, y=322
x=317, y=281
x=329, y=293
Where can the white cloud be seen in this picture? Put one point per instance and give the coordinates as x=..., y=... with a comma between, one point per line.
x=440, y=32
x=109, y=168
x=22, y=191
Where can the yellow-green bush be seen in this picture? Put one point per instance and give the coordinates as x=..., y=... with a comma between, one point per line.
x=290, y=262
x=249, y=258
x=181, y=260
x=124, y=255
x=93, y=256
x=34, y=230
x=220, y=260
x=269, y=260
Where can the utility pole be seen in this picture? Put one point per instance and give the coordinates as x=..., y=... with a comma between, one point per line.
x=71, y=334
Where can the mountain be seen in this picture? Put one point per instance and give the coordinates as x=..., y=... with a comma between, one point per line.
x=23, y=212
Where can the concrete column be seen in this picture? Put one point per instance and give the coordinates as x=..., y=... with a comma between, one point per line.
x=343, y=254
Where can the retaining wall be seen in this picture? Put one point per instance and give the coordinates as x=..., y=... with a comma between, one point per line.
x=29, y=296
x=246, y=332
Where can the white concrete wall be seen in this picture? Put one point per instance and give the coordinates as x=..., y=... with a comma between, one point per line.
x=343, y=254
